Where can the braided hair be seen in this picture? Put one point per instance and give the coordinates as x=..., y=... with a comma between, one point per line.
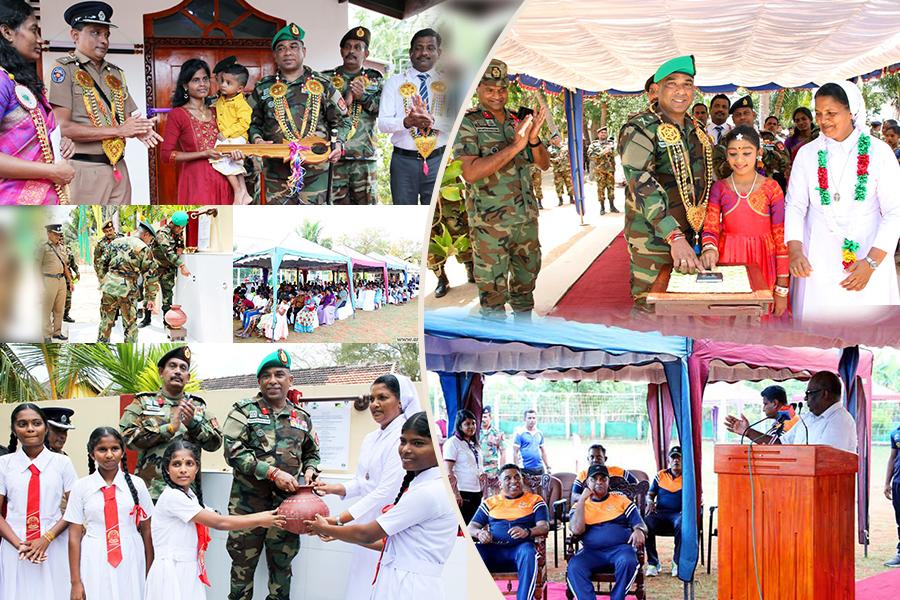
x=96, y=436
x=419, y=423
x=13, y=440
x=167, y=459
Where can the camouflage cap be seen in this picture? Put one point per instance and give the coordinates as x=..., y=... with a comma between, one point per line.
x=181, y=353
x=681, y=64
x=495, y=74
x=744, y=102
x=279, y=358
x=357, y=33
x=288, y=32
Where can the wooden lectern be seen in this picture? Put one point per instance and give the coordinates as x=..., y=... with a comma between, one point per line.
x=805, y=499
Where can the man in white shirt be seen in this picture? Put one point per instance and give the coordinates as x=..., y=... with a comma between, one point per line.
x=718, y=112
x=829, y=424
x=414, y=111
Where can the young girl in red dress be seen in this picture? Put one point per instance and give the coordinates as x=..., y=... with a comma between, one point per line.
x=745, y=217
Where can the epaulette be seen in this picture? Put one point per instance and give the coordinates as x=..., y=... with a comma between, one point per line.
x=112, y=66
x=244, y=402
x=197, y=398
x=68, y=59
x=374, y=73
x=472, y=110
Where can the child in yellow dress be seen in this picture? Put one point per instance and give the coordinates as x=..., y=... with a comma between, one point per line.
x=233, y=118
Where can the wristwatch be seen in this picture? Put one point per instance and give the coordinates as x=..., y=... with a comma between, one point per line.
x=872, y=263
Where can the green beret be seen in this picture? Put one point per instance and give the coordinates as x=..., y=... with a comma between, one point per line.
x=276, y=359
x=682, y=64
x=180, y=218
x=741, y=103
x=149, y=228
x=288, y=32
x=495, y=74
x=357, y=33
x=181, y=353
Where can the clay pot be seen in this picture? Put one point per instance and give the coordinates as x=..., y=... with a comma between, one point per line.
x=175, y=318
x=302, y=506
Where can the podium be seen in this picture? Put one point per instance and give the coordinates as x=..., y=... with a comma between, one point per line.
x=805, y=499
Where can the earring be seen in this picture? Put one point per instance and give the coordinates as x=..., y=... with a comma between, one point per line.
x=184, y=92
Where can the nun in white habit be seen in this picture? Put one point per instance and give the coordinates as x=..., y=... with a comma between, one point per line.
x=842, y=213
x=379, y=473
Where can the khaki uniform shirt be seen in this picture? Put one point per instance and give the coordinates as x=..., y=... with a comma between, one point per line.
x=65, y=92
x=47, y=260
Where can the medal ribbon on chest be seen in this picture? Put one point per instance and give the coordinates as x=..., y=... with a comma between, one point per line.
x=113, y=148
x=425, y=140
x=29, y=102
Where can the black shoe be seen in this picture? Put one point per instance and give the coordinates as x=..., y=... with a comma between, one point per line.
x=139, y=315
x=540, y=205
x=68, y=319
x=470, y=272
x=442, y=288
x=560, y=201
x=602, y=208
x=146, y=320
x=60, y=337
x=47, y=340
x=571, y=200
x=612, y=207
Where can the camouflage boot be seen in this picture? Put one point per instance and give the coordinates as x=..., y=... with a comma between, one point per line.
x=470, y=272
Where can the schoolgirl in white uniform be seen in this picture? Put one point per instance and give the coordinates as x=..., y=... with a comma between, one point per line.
x=33, y=481
x=108, y=558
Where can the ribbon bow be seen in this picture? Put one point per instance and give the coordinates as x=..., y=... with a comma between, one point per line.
x=203, y=540
x=138, y=513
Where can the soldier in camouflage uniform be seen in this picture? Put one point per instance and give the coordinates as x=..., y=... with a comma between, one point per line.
x=656, y=224
x=156, y=419
x=603, y=151
x=270, y=443
x=454, y=217
x=296, y=88
x=109, y=234
x=123, y=261
x=167, y=251
x=537, y=180
x=497, y=152
x=775, y=157
x=562, y=171
x=73, y=269
x=356, y=173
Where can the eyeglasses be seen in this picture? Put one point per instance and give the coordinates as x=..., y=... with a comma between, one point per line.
x=809, y=393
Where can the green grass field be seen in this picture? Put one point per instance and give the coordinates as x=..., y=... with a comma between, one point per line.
x=565, y=456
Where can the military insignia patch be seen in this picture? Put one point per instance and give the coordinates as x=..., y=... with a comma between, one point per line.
x=295, y=31
x=360, y=33
x=780, y=146
x=187, y=353
x=341, y=104
x=283, y=357
x=58, y=75
x=495, y=73
x=214, y=423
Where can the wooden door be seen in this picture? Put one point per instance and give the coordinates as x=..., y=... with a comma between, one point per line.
x=166, y=67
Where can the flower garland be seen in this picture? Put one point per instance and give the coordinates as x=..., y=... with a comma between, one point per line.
x=849, y=246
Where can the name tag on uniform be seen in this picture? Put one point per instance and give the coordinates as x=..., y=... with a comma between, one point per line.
x=258, y=421
x=487, y=129
x=153, y=410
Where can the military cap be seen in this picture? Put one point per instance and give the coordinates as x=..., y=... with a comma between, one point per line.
x=279, y=358
x=60, y=417
x=674, y=451
x=98, y=13
x=744, y=102
x=288, y=32
x=181, y=353
x=180, y=218
x=107, y=225
x=224, y=64
x=603, y=129
x=648, y=83
x=495, y=74
x=876, y=123
x=681, y=64
x=598, y=470
x=359, y=33
x=54, y=228
x=149, y=228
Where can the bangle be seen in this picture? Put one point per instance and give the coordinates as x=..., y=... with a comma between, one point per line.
x=676, y=234
x=274, y=473
x=171, y=429
x=709, y=247
x=48, y=535
x=781, y=291
x=530, y=145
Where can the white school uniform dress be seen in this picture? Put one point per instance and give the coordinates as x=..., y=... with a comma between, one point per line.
x=23, y=580
x=175, y=573
x=87, y=507
x=820, y=294
x=421, y=532
x=379, y=475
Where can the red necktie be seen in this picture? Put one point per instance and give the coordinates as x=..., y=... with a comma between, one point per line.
x=33, y=510
x=202, y=543
x=111, y=514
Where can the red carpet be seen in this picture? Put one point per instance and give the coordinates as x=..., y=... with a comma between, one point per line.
x=883, y=585
x=555, y=591
x=603, y=289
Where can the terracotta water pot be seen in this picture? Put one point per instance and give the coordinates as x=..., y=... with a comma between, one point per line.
x=302, y=506
x=175, y=318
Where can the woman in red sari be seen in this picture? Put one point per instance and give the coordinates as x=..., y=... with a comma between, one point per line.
x=745, y=217
x=190, y=139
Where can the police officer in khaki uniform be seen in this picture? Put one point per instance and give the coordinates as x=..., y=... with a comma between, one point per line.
x=52, y=257
x=92, y=103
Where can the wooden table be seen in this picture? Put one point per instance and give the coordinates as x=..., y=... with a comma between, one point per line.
x=743, y=307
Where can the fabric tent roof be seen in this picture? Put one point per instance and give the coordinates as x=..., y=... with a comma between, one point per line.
x=614, y=44
x=393, y=264
x=358, y=258
x=295, y=252
x=409, y=266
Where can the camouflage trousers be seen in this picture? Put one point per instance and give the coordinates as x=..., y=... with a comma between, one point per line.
x=108, y=307
x=645, y=267
x=456, y=219
x=315, y=183
x=245, y=548
x=536, y=178
x=605, y=183
x=68, y=301
x=562, y=178
x=506, y=261
x=167, y=287
x=356, y=182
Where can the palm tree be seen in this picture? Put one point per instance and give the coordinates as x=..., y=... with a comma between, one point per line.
x=78, y=370
x=314, y=232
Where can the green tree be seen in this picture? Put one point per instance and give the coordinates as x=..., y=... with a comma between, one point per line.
x=405, y=355
x=313, y=231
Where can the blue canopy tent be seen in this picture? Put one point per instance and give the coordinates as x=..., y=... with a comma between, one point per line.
x=392, y=264
x=295, y=252
x=458, y=346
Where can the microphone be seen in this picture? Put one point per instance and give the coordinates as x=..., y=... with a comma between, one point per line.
x=782, y=418
x=799, y=410
x=749, y=427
